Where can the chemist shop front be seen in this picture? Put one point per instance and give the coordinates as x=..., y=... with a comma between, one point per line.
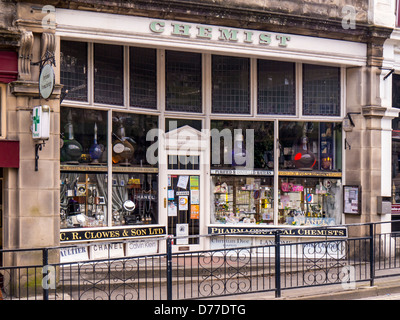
x=187, y=134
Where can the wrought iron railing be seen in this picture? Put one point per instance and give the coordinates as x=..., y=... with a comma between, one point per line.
x=278, y=266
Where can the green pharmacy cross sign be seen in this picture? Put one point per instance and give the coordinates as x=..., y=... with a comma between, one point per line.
x=36, y=120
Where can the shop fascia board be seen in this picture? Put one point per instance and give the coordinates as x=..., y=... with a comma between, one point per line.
x=132, y=30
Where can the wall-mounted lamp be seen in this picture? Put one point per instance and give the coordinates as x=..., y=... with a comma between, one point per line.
x=348, y=122
x=387, y=76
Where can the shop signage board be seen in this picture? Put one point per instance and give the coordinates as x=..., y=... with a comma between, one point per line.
x=190, y=36
x=352, y=199
x=109, y=234
x=46, y=81
x=395, y=208
x=259, y=231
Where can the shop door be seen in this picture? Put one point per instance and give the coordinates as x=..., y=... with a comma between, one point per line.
x=183, y=208
x=184, y=186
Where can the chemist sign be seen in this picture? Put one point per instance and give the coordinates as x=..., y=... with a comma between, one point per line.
x=46, y=81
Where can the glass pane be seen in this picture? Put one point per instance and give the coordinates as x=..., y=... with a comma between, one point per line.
x=73, y=69
x=83, y=199
x=108, y=74
x=143, y=77
x=321, y=90
x=184, y=207
x=276, y=87
x=171, y=124
x=309, y=201
x=84, y=136
x=130, y=144
x=395, y=91
x=135, y=199
x=232, y=142
x=242, y=199
x=230, y=85
x=183, y=81
x=310, y=146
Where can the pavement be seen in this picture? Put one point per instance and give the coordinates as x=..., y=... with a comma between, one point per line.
x=383, y=289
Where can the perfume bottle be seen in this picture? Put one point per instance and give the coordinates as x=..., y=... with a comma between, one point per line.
x=71, y=150
x=123, y=146
x=303, y=158
x=96, y=150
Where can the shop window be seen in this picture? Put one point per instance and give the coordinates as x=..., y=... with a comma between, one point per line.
x=321, y=90
x=309, y=146
x=309, y=201
x=396, y=91
x=242, y=144
x=84, y=137
x=135, y=199
x=73, y=69
x=276, y=87
x=83, y=199
x=129, y=139
x=183, y=81
x=230, y=85
x=108, y=74
x=143, y=77
x=242, y=200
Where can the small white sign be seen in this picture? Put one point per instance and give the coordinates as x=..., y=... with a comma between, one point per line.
x=141, y=247
x=106, y=250
x=46, y=81
x=73, y=254
x=182, y=230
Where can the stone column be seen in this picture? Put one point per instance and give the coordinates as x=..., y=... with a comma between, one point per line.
x=31, y=198
x=368, y=151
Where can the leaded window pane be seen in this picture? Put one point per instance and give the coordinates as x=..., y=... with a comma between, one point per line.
x=73, y=69
x=108, y=74
x=321, y=90
x=276, y=87
x=230, y=85
x=183, y=81
x=143, y=77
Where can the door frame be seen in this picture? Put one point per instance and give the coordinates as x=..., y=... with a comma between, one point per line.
x=175, y=142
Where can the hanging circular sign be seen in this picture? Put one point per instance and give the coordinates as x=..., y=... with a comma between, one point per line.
x=46, y=81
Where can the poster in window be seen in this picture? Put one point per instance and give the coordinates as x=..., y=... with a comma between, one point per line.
x=194, y=211
x=352, y=199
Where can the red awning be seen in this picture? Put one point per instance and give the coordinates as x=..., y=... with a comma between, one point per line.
x=9, y=154
x=8, y=66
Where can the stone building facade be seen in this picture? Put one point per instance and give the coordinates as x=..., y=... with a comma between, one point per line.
x=345, y=34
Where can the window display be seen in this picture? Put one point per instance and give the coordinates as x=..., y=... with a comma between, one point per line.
x=129, y=138
x=309, y=146
x=135, y=199
x=83, y=200
x=234, y=134
x=309, y=201
x=84, y=137
x=242, y=200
